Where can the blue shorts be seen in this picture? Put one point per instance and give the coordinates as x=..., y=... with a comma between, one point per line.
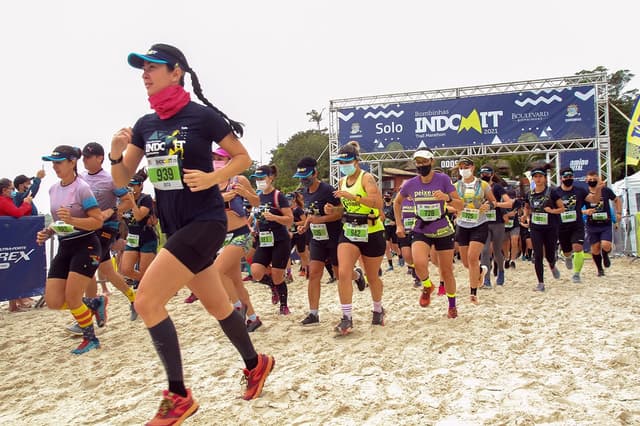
x=597, y=233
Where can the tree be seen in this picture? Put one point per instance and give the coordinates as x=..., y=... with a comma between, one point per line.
x=316, y=117
x=310, y=143
x=618, y=125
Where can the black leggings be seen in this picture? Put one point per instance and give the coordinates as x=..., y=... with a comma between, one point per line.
x=545, y=242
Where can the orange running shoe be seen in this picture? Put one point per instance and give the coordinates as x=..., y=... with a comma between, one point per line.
x=255, y=378
x=174, y=409
x=452, y=313
x=474, y=299
x=425, y=297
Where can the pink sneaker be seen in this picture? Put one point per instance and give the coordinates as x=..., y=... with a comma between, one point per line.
x=441, y=291
x=192, y=298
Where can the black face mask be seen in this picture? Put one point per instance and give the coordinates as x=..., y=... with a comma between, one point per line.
x=306, y=182
x=592, y=183
x=424, y=170
x=387, y=200
x=486, y=178
x=568, y=182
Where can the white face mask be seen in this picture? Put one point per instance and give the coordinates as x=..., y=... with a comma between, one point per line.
x=465, y=173
x=261, y=185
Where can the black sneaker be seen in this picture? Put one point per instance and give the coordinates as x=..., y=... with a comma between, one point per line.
x=513, y=264
x=605, y=259
x=378, y=318
x=253, y=325
x=310, y=319
x=362, y=284
x=601, y=272
x=495, y=268
x=506, y=264
x=345, y=326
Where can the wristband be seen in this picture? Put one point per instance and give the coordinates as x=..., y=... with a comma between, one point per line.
x=113, y=162
x=358, y=198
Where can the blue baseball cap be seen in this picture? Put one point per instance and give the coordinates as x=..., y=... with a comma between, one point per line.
x=158, y=53
x=262, y=172
x=305, y=167
x=347, y=152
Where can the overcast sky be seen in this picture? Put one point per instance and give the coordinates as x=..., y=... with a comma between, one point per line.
x=267, y=63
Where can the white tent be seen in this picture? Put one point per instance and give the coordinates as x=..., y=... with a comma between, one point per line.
x=628, y=189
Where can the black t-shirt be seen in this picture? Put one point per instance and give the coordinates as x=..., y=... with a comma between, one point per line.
x=498, y=192
x=517, y=204
x=538, y=201
x=602, y=207
x=389, y=214
x=573, y=200
x=141, y=229
x=268, y=202
x=187, y=136
x=316, y=201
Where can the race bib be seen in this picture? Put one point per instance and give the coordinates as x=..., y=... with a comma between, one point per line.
x=469, y=215
x=133, y=240
x=491, y=215
x=409, y=223
x=599, y=216
x=227, y=239
x=428, y=212
x=266, y=239
x=568, y=216
x=164, y=172
x=319, y=231
x=356, y=233
x=540, y=218
x=62, y=228
x=387, y=221
x=509, y=223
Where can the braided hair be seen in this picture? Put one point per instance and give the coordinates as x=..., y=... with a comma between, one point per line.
x=195, y=83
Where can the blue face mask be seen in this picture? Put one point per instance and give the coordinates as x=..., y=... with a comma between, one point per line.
x=347, y=169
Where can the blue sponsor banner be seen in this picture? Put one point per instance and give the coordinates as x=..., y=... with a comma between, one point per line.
x=541, y=115
x=23, y=264
x=581, y=162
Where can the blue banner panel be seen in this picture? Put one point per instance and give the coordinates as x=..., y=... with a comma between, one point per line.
x=581, y=162
x=541, y=115
x=23, y=266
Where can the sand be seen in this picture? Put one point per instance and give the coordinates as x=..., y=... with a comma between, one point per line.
x=567, y=356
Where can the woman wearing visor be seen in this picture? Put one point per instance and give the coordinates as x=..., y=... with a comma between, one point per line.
x=431, y=192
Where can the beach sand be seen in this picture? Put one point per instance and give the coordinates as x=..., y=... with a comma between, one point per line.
x=566, y=356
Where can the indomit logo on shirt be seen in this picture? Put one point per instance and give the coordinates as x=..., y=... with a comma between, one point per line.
x=165, y=143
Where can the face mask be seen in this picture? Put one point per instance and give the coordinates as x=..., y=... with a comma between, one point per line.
x=568, y=182
x=387, y=200
x=306, y=182
x=261, y=185
x=219, y=164
x=486, y=178
x=347, y=169
x=592, y=183
x=465, y=173
x=424, y=170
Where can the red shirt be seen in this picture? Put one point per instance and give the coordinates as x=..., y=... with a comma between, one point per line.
x=7, y=208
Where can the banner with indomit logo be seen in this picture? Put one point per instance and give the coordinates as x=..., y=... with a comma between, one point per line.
x=23, y=266
x=508, y=118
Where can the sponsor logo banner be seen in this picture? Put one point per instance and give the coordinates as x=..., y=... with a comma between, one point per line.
x=541, y=115
x=581, y=162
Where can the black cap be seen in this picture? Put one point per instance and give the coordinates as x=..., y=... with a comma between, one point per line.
x=63, y=152
x=91, y=149
x=465, y=160
x=567, y=171
x=486, y=169
x=159, y=54
x=20, y=179
x=305, y=167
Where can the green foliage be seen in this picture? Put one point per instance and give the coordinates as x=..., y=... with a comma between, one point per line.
x=618, y=125
x=310, y=143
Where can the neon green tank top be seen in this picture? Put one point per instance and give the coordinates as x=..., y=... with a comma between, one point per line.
x=352, y=206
